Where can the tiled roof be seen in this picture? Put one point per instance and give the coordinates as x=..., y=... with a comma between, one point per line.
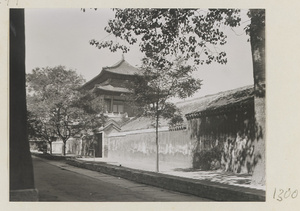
x=209, y=102
x=218, y=100
x=120, y=68
x=123, y=68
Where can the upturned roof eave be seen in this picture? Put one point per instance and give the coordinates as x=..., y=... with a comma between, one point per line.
x=97, y=89
x=107, y=70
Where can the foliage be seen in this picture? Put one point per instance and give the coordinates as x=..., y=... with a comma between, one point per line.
x=193, y=34
x=60, y=110
x=46, y=84
x=40, y=129
x=163, y=33
x=32, y=125
x=153, y=88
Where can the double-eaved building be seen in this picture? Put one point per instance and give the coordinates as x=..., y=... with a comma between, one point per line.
x=217, y=132
x=109, y=86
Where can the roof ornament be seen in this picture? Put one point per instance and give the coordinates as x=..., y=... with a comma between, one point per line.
x=123, y=57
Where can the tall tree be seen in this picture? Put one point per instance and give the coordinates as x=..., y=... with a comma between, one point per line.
x=256, y=30
x=193, y=34
x=55, y=99
x=153, y=90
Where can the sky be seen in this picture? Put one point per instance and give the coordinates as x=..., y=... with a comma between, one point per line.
x=61, y=37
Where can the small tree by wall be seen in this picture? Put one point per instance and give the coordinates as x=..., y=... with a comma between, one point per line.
x=152, y=91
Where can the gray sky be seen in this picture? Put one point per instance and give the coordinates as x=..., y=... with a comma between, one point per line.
x=61, y=37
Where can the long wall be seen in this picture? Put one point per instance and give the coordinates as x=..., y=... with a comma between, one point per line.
x=175, y=149
x=222, y=141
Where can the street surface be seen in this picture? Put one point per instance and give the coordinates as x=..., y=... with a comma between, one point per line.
x=57, y=181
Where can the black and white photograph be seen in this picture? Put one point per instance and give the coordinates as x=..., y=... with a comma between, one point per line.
x=149, y=104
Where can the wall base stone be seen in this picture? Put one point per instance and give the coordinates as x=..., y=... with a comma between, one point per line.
x=201, y=188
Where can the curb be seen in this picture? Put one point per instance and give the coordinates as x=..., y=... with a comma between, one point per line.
x=201, y=188
x=49, y=156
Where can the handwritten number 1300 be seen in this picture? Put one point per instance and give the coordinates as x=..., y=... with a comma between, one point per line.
x=281, y=194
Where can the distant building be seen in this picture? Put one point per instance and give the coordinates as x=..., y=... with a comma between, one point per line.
x=109, y=85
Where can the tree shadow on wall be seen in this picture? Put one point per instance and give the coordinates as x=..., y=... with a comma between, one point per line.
x=229, y=153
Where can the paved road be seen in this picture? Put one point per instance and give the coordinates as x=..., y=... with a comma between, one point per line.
x=57, y=181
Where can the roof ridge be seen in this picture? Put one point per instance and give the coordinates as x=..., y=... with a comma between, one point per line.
x=116, y=64
x=107, y=69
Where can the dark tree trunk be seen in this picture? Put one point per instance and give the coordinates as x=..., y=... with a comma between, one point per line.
x=64, y=148
x=20, y=163
x=257, y=39
x=50, y=143
x=157, y=147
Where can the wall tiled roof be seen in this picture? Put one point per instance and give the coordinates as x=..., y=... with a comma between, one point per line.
x=188, y=107
x=217, y=101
